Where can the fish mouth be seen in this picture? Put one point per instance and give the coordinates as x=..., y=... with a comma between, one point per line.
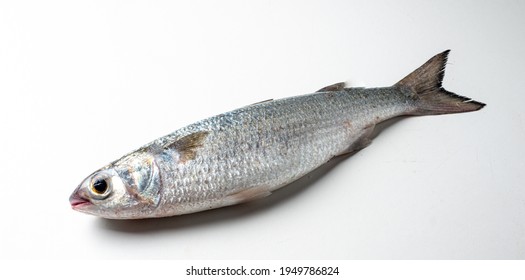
x=77, y=201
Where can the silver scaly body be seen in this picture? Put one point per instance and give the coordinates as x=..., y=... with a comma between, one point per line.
x=266, y=146
x=249, y=152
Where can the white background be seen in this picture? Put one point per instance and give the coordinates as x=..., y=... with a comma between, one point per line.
x=84, y=82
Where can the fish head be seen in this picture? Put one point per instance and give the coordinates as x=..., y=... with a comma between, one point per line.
x=126, y=189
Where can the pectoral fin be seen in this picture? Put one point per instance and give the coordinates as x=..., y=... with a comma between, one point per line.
x=188, y=145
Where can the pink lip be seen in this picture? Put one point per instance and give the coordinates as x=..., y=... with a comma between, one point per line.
x=76, y=201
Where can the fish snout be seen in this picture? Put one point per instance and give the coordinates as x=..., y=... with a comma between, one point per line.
x=78, y=199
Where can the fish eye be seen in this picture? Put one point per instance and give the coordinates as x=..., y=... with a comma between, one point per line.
x=100, y=187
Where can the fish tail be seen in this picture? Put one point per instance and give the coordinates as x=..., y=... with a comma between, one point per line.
x=424, y=84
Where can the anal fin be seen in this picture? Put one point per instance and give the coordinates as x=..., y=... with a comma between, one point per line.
x=363, y=140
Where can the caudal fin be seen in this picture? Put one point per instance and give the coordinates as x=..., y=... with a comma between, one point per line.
x=424, y=84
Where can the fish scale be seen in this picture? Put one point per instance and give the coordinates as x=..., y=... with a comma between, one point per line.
x=250, y=152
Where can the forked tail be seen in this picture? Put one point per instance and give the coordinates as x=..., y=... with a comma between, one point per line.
x=424, y=84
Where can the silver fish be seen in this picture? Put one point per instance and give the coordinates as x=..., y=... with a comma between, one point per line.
x=250, y=152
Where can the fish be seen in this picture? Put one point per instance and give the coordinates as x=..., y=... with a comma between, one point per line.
x=250, y=152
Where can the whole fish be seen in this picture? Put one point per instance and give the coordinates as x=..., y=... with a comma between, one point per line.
x=249, y=152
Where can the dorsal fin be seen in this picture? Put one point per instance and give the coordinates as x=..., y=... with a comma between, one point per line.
x=334, y=87
x=264, y=101
x=188, y=145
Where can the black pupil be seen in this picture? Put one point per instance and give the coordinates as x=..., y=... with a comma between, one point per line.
x=100, y=186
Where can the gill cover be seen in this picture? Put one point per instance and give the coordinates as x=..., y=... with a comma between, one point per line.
x=142, y=178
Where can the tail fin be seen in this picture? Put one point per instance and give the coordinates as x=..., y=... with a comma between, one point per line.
x=431, y=98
